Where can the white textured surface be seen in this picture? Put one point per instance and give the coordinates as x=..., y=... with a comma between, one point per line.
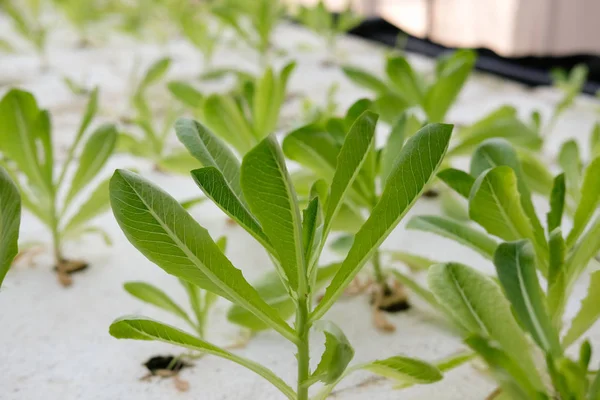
x=54, y=342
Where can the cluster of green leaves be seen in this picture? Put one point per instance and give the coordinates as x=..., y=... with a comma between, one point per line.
x=260, y=196
x=326, y=24
x=155, y=125
x=253, y=21
x=407, y=88
x=26, y=152
x=25, y=16
x=10, y=219
x=245, y=116
x=498, y=317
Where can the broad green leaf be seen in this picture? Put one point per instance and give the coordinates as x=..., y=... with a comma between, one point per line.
x=154, y=73
x=157, y=225
x=501, y=123
x=365, y=79
x=513, y=378
x=595, y=141
x=406, y=125
x=403, y=78
x=152, y=295
x=25, y=134
x=351, y=158
x=458, y=180
x=89, y=114
x=127, y=143
x=271, y=289
x=390, y=107
x=570, y=162
x=213, y=184
x=140, y=328
x=557, y=203
x=192, y=202
x=497, y=152
x=223, y=117
x=337, y=355
x=10, y=219
x=187, y=94
x=516, y=269
x=210, y=151
x=590, y=201
x=313, y=148
x=479, y=305
x=405, y=370
x=275, y=208
x=535, y=173
x=556, y=276
x=454, y=207
x=594, y=391
x=442, y=94
x=412, y=261
x=348, y=219
x=95, y=154
x=179, y=162
x=417, y=163
x=268, y=98
x=588, y=314
x=495, y=205
x=459, y=232
x=96, y=204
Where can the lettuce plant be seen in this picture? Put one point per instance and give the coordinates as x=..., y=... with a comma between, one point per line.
x=59, y=203
x=329, y=26
x=242, y=118
x=155, y=127
x=499, y=318
x=406, y=88
x=253, y=21
x=260, y=196
x=10, y=219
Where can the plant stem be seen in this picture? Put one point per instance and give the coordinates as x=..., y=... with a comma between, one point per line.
x=303, y=356
x=56, y=241
x=379, y=275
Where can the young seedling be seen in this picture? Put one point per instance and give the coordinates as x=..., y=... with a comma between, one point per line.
x=510, y=322
x=253, y=21
x=155, y=125
x=570, y=84
x=26, y=19
x=27, y=153
x=406, y=88
x=245, y=117
x=329, y=26
x=10, y=218
x=260, y=196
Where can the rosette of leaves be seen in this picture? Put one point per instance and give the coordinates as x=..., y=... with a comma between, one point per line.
x=326, y=24
x=405, y=87
x=155, y=125
x=64, y=206
x=245, y=116
x=260, y=196
x=10, y=219
x=499, y=318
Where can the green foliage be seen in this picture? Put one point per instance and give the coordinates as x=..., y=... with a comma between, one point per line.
x=25, y=17
x=28, y=156
x=408, y=88
x=499, y=200
x=260, y=194
x=10, y=219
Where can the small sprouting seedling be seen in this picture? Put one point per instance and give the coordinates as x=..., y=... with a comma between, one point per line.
x=253, y=21
x=260, y=196
x=570, y=84
x=27, y=154
x=10, y=217
x=327, y=24
x=26, y=19
x=244, y=118
x=316, y=147
x=155, y=126
x=508, y=324
x=407, y=88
